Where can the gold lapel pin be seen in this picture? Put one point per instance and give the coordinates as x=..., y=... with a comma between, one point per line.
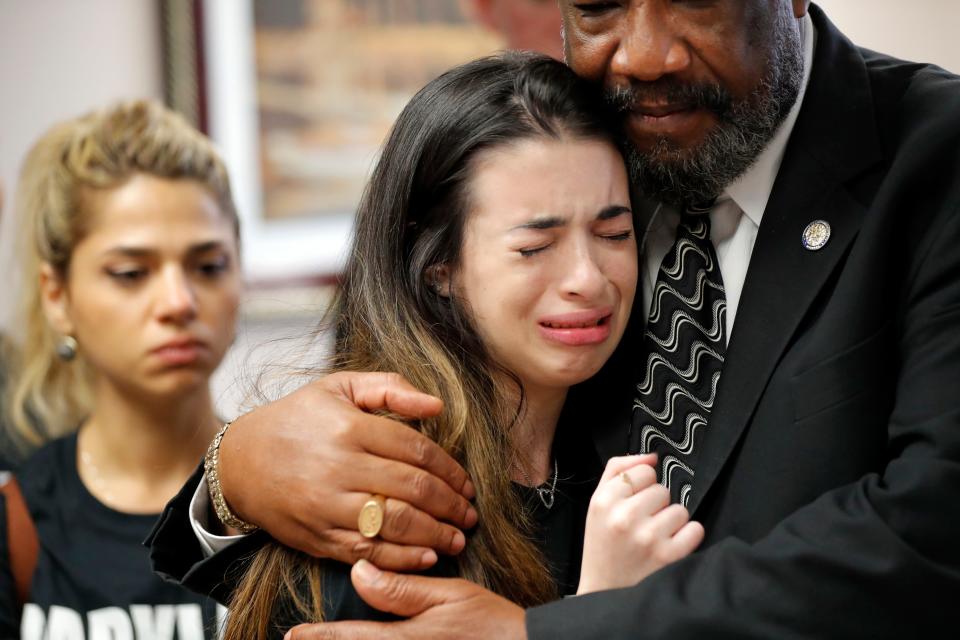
x=816, y=235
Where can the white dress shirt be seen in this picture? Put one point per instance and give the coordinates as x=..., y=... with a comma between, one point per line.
x=734, y=222
x=735, y=218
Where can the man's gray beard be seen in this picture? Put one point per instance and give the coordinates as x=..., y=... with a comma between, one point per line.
x=683, y=177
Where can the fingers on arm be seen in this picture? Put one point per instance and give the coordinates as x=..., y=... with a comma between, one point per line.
x=660, y=530
x=407, y=596
x=374, y=391
x=650, y=500
x=687, y=539
x=353, y=630
x=669, y=535
x=403, y=524
x=451, y=491
x=349, y=546
x=391, y=439
x=404, y=594
x=621, y=485
x=618, y=465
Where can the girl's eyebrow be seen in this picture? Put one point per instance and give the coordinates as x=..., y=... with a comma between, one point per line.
x=552, y=222
x=546, y=222
x=133, y=251
x=613, y=211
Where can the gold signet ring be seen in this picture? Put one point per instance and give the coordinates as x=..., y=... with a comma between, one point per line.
x=370, y=520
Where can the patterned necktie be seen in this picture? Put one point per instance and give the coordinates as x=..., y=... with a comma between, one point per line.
x=684, y=344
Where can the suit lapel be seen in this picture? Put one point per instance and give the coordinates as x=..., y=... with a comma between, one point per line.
x=834, y=139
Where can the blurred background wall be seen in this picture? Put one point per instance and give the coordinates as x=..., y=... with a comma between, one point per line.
x=59, y=58
x=921, y=30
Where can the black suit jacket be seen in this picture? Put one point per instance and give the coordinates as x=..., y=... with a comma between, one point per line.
x=829, y=479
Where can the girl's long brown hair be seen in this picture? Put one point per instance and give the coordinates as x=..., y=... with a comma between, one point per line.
x=387, y=317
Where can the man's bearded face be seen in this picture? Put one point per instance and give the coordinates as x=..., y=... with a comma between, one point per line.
x=701, y=90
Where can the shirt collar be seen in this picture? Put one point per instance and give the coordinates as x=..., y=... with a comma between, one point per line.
x=751, y=191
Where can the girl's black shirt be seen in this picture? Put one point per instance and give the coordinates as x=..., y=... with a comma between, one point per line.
x=93, y=578
x=558, y=532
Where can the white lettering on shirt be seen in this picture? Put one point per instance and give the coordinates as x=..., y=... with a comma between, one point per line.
x=109, y=623
x=153, y=622
x=64, y=624
x=142, y=622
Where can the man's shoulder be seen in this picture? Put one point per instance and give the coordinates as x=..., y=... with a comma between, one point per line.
x=915, y=102
x=916, y=109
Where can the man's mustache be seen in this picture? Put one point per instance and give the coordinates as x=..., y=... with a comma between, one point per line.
x=667, y=90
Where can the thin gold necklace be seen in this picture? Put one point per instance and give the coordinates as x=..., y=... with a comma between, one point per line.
x=96, y=478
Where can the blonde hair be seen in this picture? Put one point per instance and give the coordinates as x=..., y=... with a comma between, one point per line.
x=69, y=163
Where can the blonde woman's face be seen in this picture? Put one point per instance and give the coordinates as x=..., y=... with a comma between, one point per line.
x=548, y=268
x=153, y=289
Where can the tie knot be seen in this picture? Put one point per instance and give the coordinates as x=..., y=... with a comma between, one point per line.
x=700, y=208
x=696, y=218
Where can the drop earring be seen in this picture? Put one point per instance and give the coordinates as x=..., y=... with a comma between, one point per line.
x=67, y=348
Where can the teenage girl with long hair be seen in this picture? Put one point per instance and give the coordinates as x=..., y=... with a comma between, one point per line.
x=494, y=264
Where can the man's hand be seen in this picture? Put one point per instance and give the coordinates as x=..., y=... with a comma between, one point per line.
x=437, y=608
x=303, y=466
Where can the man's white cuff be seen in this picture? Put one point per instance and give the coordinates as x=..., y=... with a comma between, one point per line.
x=199, y=509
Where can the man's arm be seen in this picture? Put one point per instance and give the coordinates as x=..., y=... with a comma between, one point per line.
x=875, y=558
x=850, y=575
x=436, y=608
x=301, y=468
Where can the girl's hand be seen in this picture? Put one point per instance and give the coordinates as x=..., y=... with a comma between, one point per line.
x=632, y=529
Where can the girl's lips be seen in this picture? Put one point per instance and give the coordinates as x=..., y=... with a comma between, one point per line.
x=180, y=353
x=577, y=333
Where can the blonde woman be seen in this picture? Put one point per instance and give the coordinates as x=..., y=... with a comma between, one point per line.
x=132, y=286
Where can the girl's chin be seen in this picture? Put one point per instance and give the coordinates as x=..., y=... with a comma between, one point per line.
x=570, y=375
x=168, y=386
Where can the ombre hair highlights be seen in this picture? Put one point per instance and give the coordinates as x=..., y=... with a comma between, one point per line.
x=388, y=317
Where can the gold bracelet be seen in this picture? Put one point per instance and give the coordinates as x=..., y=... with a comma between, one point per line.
x=211, y=466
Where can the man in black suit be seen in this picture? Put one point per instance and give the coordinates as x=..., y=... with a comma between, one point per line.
x=828, y=478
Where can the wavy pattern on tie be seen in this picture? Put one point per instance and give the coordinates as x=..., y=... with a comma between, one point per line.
x=689, y=374
x=674, y=394
x=714, y=333
x=685, y=446
x=684, y=348
x=694, y=301
x=682, y=247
